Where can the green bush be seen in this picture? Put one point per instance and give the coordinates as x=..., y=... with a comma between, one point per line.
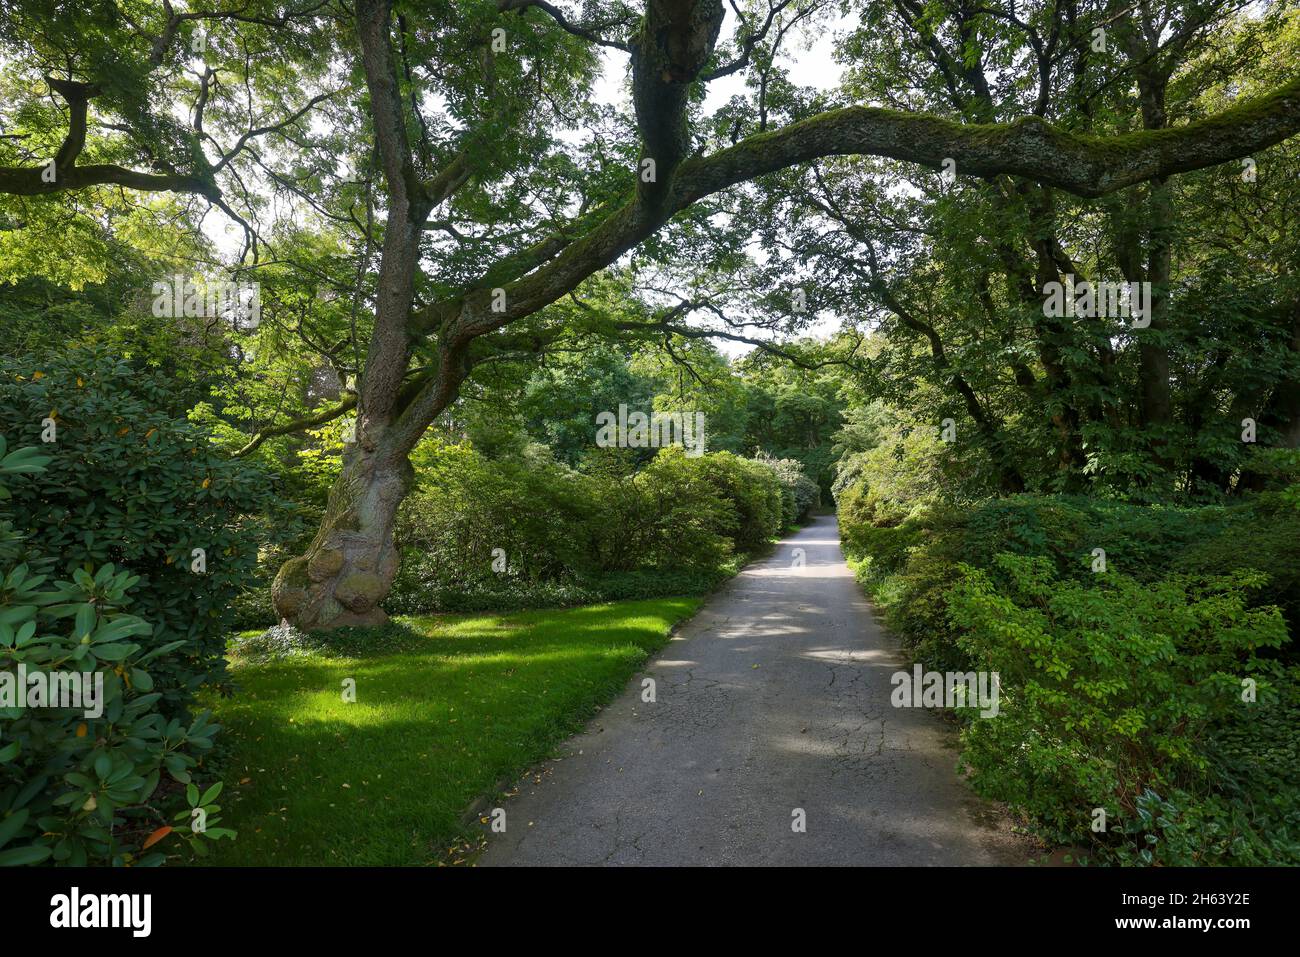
x=909, y=568
x=1008, y=585
x=909, y=469
x=481, y=534
x=1110, y=688
x=466, y=507
x=82, y=786
x=682, y=517
x=753, y=496
x=99, y=575
x=418, y=589
x=1142, y=541
x=128, y=485
x=1263, y=534
x=909, y=564
x=415, y=592
x=799, y=494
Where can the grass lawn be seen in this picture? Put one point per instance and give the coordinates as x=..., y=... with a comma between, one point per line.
x=460, y=703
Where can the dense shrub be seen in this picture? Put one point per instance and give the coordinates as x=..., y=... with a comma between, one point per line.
x=466, y=507
x=99, y=574
x=752, y=492
x=910, y=469
x=483, y=534
x=416, y=590
x=81, y=786
x=1110, y=691
x=285, y=641
x=129, y=485
x=910, y=563
x=1115, y=685
x=680, y=517
x=1263, y=534
x=799, y=494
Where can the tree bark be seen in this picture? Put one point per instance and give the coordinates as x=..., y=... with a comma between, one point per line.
x=349, y=567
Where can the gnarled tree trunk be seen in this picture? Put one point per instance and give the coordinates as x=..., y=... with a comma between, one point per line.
x=350, y=565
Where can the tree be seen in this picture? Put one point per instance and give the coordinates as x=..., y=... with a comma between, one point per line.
x=443, y=305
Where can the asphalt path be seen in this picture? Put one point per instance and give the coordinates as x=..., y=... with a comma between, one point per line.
x=772, y=709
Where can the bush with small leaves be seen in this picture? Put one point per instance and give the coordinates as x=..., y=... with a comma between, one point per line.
x=1110, y=688
x=480, y=534
x=799, y=494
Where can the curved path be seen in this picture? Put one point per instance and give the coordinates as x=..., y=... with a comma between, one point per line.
x=774, y=697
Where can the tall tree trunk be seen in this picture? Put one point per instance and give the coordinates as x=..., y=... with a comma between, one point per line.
x=1026, y=282
x=350, y=565
x=1153, y=354
x=1155, y=389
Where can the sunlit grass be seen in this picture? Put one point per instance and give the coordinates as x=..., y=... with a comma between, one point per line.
x=468, y=702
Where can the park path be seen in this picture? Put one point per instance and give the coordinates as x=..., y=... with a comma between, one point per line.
x=775, y=696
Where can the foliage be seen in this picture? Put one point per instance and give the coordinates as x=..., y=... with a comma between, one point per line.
x=1110, y=689
x=130, y=485
x=1114, y=683
x=799, y=494
x=82, y=785
x=969, y=433
x=100, y=576
x=521, y=532
x=752, y=493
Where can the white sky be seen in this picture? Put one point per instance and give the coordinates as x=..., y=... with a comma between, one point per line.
x=809, y=65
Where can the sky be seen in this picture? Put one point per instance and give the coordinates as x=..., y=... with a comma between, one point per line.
x=809, y=65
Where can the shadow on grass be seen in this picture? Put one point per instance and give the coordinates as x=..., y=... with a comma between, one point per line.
x=444, y=708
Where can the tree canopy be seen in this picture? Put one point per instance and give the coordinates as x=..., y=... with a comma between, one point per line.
x=431, y=195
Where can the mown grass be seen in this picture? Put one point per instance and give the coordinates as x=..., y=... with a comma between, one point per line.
x=445, y=712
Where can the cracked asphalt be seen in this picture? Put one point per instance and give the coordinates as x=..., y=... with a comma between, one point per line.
x=773, y=699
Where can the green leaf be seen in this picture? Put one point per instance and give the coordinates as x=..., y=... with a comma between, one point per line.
x=22, y=856
x=113, y=652
x=210, y=794
x=11, y=825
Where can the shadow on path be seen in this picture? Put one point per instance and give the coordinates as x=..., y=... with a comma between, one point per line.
x=775, y=696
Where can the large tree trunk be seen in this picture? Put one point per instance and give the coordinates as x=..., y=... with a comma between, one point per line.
x=350, y=565
x=1156, y=387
